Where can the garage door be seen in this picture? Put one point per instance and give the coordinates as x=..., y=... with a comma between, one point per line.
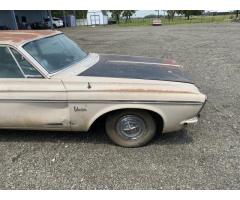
x=95, y=20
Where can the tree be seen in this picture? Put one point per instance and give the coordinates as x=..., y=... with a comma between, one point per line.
x=237, y=13
x=80, y=14
x=171, y=14
x=188, y=13
x=116, y=14
x=57, y=13
x=158, y=13
x=151, y=16
x=128, y=13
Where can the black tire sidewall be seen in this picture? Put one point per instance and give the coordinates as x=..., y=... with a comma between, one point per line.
x=117, y=138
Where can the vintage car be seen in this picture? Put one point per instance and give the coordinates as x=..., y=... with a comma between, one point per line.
x=47, y=82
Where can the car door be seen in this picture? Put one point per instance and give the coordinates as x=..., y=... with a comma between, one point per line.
x=27, y=100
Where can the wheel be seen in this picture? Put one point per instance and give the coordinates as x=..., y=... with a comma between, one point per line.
x=130, y=128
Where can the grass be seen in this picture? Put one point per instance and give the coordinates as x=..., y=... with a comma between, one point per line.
x=177, y=20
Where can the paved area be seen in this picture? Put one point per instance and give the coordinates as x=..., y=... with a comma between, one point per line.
x=204, y=156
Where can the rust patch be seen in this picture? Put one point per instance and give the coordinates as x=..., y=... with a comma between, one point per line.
x=24, y=36
x=169, y=61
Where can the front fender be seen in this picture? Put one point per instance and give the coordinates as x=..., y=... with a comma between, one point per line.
x=95, y=111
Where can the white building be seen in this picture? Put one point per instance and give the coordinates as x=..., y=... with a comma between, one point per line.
x=97, y=17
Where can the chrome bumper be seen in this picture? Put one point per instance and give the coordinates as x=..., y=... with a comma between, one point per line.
x=202, y=106
x=194, y=120
x=190, y=121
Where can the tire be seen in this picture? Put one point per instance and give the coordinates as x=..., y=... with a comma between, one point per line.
x=130, y=128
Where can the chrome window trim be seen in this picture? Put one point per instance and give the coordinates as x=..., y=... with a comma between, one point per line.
x=33, y=62
x=24, y=75
x=7, y=47
x=28, y=60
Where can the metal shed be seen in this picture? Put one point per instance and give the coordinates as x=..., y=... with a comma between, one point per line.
x=97, y=17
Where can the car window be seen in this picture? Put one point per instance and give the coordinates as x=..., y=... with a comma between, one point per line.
x=8, y=66
x=55, y=53
x=46, y=20
x=27, y=68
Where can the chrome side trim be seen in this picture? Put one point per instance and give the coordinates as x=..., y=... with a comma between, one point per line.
x=32, y=101
x=144, y=63
x=137, y=102
x=101, y=101
x=155, y=91
x=193, y=120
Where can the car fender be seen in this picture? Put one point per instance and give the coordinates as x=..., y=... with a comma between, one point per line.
x=111, y=108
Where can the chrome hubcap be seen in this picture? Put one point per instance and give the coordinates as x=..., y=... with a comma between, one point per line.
x=130, y=126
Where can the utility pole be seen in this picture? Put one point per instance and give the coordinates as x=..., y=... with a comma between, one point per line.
x=64, y=18
x=14, y=21
x=50, y=17
x=158, y=13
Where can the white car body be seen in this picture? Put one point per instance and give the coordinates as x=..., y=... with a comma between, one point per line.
x=57, y=22
x=68, y=101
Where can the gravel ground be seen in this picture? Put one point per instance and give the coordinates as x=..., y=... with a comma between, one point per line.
x=204, y=156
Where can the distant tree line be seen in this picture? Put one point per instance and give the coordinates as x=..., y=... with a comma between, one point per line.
x=233, y=12
x=186, y=13
x=171, y=13
x=117, y=14
x=80, y=14
x=152, y=16
x=127, y=14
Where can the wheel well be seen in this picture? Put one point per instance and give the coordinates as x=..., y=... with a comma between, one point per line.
x=157, y=118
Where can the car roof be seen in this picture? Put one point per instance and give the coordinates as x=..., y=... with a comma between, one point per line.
x=19, y=37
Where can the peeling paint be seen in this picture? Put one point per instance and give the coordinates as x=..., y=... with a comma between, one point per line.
x=19, y=37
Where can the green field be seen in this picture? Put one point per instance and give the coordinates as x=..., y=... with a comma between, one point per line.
x=177, y=20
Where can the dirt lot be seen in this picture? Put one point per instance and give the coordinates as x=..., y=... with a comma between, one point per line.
x=204, y=156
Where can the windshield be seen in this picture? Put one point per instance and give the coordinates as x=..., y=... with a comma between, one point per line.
x=55, y=53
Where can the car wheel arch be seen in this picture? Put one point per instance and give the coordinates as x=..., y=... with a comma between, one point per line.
x=157, y=115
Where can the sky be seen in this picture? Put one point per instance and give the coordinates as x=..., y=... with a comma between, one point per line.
x=143, y=13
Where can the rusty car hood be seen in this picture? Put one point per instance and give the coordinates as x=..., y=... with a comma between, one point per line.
x=137, y=67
